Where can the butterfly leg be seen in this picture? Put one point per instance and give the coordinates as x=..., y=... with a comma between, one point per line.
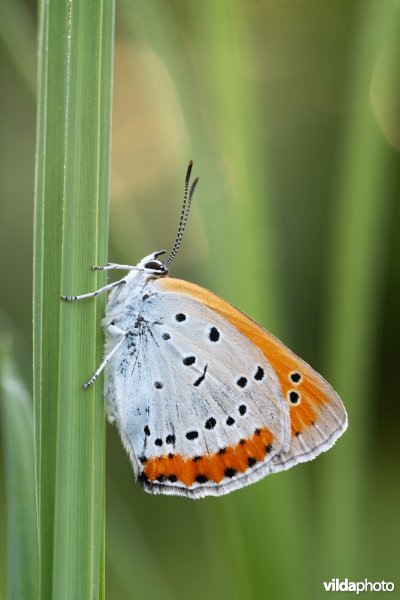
x=110, y=286
x=106, y=361
x=114, y=267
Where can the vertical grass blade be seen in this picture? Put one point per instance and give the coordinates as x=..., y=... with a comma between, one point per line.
x=236, y=125
x=17, y=37
x=357, y=252
x=71, y=230
x=17, y=424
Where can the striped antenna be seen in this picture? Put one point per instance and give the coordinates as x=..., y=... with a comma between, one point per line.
x=187, y=201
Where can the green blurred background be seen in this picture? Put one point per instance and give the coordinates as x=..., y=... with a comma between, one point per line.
x=290, y=111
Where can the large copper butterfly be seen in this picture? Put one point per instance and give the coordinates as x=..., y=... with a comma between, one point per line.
x=206, y=401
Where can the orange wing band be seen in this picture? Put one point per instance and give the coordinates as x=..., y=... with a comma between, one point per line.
x=227, y=462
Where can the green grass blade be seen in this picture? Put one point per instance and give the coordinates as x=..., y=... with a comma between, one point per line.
x=237, y=117
x=354, y=293
x=17, y=424
x=125, y=540
x=71, y=232
x=17, y=37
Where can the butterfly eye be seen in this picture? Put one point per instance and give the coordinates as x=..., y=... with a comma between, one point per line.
x=156, y=265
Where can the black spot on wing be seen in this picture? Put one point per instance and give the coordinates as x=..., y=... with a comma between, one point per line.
x=201, y=478
x=295, y=377
x=189, y=360
x=259, y=375
x=214, y=334
x=230, y=472
x=201, y=378
x=294, y=397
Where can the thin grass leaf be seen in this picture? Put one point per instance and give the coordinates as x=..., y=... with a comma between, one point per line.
x=356, y=256
x=71, y=231
x=17, y=36
x=260, y=512
x=17, y=425
x=125, y=541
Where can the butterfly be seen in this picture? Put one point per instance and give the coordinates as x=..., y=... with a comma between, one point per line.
x=206, y=401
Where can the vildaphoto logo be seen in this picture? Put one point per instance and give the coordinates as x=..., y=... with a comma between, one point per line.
x=337, y=585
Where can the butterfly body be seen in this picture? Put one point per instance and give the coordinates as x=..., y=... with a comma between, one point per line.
x=206, y=401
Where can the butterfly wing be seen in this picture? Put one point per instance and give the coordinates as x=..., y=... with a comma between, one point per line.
x=198, y=406
x=317, y=415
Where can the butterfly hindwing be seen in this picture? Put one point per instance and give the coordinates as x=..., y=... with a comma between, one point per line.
x=207, y=401
x=198, y=406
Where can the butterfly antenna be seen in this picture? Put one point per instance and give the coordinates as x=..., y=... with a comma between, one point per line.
x=187, y=201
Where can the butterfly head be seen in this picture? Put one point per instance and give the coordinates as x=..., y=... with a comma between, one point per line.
x=150, y=264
